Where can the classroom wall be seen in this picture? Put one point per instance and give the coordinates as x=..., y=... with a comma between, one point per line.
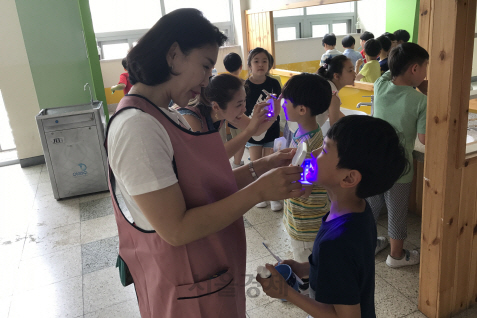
x=16, y=84
x=403, y=14
x=372, y=16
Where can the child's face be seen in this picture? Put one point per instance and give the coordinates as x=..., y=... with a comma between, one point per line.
x=419, y=73
x=348, y=75
x=260, y=65
x=328, y=173
x=235, y=108
x=292, y=113
x=361, y=42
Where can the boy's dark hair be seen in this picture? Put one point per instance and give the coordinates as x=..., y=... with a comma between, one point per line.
x=256, y=51
x=376, y=152
x=404, y=55
x=402, y=35
x=390, y=36
x=329, y=39
x=332, y=66
x=147, y=62
x=366, y=36
x=372, y=47
x=385, y=42
x=309, y=90
x=232, y=62
x=124, y=62
x=348, y=41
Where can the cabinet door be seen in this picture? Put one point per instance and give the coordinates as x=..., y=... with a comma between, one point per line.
x=76, y=160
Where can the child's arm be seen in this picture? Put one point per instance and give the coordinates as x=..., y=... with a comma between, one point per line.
x=359, y=74
x=117, y=87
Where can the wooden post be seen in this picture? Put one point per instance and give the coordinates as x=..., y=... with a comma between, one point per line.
x=447, y=246
x=260, y=31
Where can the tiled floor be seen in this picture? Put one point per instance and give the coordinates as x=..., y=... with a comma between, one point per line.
x=58, y=257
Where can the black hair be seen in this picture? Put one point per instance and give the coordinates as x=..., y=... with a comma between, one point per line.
x=390, y=36
x=332, y=65
x=329, y=39
x=371, y=146
x=366, y=36
x=309, y=90
x=256, y=51
x=221, y=89
x=124, y=62
x=385, y=42
x=147, y=62
x=348, y=41
x=232, y=62
x=372, y=47
x=402, y=35
x=404, y=55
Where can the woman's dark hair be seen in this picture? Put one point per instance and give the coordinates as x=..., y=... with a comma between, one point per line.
x=385, y=42
x=309, y=90
x=372, y=47
x=330, y=39
x=390, y=36
x=366, y=36
x=221, y=89
x=256, y=51
x=402, y=35
x=124, y=62
x=332, y=66
x=348, y=41
x=232, y=62
x=404, y=55
x=147, y=62
x=372, y=147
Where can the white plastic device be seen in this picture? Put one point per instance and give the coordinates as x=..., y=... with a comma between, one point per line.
x=300, y=154
x=263, y=272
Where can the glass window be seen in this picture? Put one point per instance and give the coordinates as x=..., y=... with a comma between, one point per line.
x=123, y=15
x=340, y=28
x=319, y=30
x=214, y=10
x=285, y=34
x=331, y=8
x=288, y=13
x=115, y=51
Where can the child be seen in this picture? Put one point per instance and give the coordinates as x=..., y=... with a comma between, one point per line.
x=259, y=63
x=348, y=43
x=402, y=36
x=383, y=55
x=361, y=155
x=304, y=97
x=396, y=101
x=371, y=71
x=233, y=65
x=363, y=38
x=391, y=38
x=329, y=42
x=124, y=83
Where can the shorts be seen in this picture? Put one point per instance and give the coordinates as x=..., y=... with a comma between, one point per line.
x=265, y=145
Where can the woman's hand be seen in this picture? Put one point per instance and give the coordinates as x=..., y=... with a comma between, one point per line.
x=258, y=117
x=280, y=158
x=279, y=184
x=275, y=286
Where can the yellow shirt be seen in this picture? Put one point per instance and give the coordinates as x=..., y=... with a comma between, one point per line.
x=371, y=71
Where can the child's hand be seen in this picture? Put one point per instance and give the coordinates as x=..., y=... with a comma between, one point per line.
x=359, y=62
x=300, y=269
x=113, y=89
x=275, y=286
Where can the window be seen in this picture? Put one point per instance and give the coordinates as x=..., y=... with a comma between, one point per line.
x=285, y=34
x=339, y=18
x=120, y=23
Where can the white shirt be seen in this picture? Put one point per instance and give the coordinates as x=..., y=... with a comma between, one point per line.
x=140, y=155
x=329, y=54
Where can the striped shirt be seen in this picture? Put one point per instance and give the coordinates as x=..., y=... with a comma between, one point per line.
x=302, y=216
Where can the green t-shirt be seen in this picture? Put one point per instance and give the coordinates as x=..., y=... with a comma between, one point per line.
x=405, y=109
x=371, y=71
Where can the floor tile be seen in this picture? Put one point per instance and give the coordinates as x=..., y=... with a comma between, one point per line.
x=255, y=249
x=127, y=309
x=275, y=234
x=414, y=234
x=43, y=240
x=63, y=299
x=275, y=309
x=397, y=306
x=11, y=251
x=383, y=290
x=5, y=306
x=416, y=314
x=246, y=223
x=103, y=289
x=98, y=229
x=262, y=215
x=99, y=254
x=44, y=190
x=96, y=208
x=54, y=217
x=94, y=196
x=404, y=279
x=48, y=269
x=44, y=177
x=469, y=313
x=51, y=203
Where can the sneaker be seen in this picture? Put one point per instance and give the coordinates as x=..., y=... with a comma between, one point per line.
x=409, y=258
x=276, y=205
x=261, y=204
x=381, y=244
x=236, y=166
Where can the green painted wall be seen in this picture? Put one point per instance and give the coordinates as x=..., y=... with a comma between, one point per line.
x=53, y=35
x=403, y=14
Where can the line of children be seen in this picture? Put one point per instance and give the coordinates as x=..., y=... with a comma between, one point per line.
x=363, y=38
x=348, y=43
x=329, y=43
x=371, y=71
x=402, y=36
x=383, y=55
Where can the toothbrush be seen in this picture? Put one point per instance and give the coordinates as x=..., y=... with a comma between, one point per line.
x=279, y=260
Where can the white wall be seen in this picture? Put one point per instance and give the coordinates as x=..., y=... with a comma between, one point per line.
x=372, y=16
x=16, y=84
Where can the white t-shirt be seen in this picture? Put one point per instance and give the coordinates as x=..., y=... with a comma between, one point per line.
x=140, y=155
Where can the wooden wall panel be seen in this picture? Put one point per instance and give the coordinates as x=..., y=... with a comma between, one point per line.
x=260, y=31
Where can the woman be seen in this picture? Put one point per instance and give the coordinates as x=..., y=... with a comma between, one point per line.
x=224, y=99
x=186, y=247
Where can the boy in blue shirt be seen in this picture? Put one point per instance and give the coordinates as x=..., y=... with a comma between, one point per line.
x=348, y=43
x=361, y=155
x=383, y=55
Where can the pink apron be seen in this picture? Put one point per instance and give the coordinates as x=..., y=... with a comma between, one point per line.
x=204, y=278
